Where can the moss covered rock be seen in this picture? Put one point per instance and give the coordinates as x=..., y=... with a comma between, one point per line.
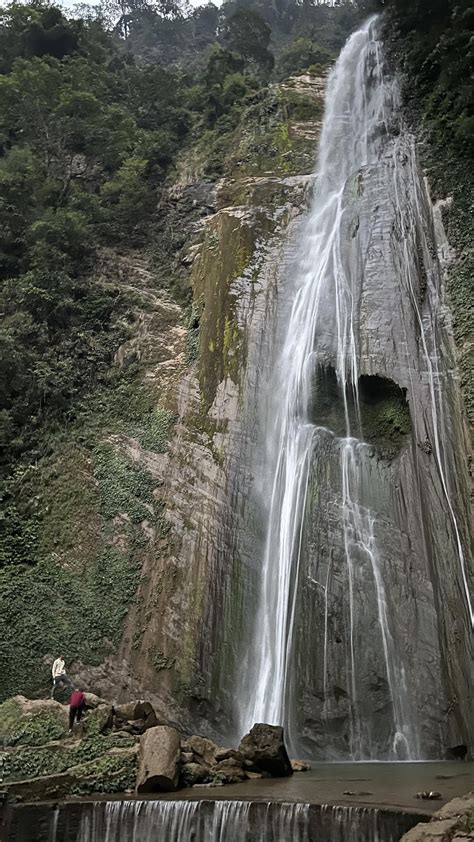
x=98, y=720
x=37, y=750
x=194, y=773
x=115, y=771
x=29, y=722
x=34, y=762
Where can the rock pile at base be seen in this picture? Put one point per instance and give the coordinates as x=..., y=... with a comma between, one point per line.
x=122, y=749
x=453, y=823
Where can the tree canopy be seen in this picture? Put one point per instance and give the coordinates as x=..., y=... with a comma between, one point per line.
x=95, y=107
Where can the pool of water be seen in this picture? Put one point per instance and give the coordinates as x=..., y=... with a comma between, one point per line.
x=355, y=784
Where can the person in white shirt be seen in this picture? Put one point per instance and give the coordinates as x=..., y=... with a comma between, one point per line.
x=59, y=675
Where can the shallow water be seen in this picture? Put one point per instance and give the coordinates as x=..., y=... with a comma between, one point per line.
x=392, y=785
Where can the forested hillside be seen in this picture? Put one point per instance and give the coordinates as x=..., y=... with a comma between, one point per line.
x=91, y=123
x=97, y=115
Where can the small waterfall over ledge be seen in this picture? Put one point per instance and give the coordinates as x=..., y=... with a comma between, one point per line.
x=364, y=567
x=207, y=821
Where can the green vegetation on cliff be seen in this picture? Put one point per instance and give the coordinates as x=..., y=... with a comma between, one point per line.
x=34, y=744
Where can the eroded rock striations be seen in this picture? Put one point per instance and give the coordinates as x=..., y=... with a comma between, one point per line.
x=183, y=631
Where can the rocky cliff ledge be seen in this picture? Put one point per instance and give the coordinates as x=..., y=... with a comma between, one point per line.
x=122, y=749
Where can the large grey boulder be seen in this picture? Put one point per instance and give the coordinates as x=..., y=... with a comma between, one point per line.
x=230, y=771
x=159, y=757
x=203, y=749
x=194, y=773
x=139, y=711
x=264, y=748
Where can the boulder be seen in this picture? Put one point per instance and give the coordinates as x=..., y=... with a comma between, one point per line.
x=209, y=785
x=231, y=772
x=187, y=757
x=138, y=711
x=194, y=773
x=441, y=831
x=203, y=749
x=98, y=721
x=253, y=776
x=125, y=712
x=30, y=722
x=136, y=727
x=160, y=752
x=462, y=806
x=300, y=766
x=264, y=749
x=93, y=701
x=145, y=712
x=229, y=754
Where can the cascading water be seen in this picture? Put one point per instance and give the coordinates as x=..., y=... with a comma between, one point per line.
x=207, y=821
x=363, y=338
x=185, y=821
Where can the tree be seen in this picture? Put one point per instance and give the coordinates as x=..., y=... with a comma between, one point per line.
x=247, y=34
x=301, y=54
x=35, y=30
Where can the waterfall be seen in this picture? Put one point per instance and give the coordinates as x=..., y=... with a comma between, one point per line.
x=187, y=821
x=229, y=821
x=366, y=315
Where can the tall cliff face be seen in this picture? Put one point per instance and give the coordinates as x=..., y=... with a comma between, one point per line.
x=184, y=628
x=376, y=638
x=413, y=479
x=192, y=632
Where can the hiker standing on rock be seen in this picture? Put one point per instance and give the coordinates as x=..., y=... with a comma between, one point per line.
x=59, y=675
x=77, y=703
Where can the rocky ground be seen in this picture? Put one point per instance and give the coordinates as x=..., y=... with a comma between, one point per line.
x=122, y=750
x=128, y=750
x=453, y=823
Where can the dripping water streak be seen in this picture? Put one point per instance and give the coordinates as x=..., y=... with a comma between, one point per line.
x=432, y=366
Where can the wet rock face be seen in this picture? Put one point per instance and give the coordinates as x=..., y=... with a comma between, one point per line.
x=411, y=421
x=411, y=470
x=381, y=410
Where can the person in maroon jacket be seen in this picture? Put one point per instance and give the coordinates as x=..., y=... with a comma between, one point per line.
x=77, y=704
